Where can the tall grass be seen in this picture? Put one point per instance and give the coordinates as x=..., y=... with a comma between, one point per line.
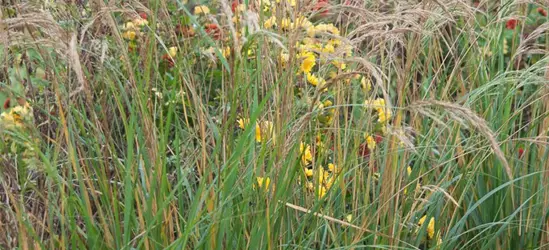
x=134, y=155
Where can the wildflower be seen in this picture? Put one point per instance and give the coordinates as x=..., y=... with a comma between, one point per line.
x=263, y=130
x=269, y=23
x=312, y=79
x=365, y=84
x=370, y=142
x=201, y=9
x=409, y=170
x=306, y=155
x=542, y=11
x=129, y=35
x=320, y=191
x=172, y=51
x=511, y=24
x=284, y=59
x=505, y=47
x=349, y=218
x=430, y=226
x=309, y=61
x=243, y=122
x=333, y=168
x=520, y=152
x=263, y=183
x=301, y=22
x=285, y=23
x=384, y=114
x=308, y=172
x=16, y=116
x=129, y=26
x=226, y=52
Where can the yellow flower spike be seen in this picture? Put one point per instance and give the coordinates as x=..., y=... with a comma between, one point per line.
x=409, y=170
x=327, y=103
x=242, y=122
x=285, y=23
x=263, y=183
x=201, y=9
x=333, y=168
x=430, y=226
x=269, y=23
x=320, y=191
x=172, y=51
x=257, y=132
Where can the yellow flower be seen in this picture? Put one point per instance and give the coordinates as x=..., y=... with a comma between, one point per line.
x=349, y=218
x=328, y=49
x=301, y=22
x=409, y=170
x=130, y=35
x=370, y=141
x=226, y=52
x=243, y=122
x=309, y=61
x=365, y=84
x=384, y=114
x=16, y=116
x=264, y=130
x=172, y=51
x=333, y=168
x=263, y=183
x=201, y=9
x=129, y=26
x=320, y=191
x=306, y=155
x=285, y=23
x=284, y=59
x=430, y=226
x=308, y=172
x=269, y=23
x=312, y=79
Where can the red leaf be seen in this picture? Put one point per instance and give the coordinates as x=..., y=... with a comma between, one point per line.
x=7, y=103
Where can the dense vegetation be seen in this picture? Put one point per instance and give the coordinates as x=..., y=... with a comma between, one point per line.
x=264, y=124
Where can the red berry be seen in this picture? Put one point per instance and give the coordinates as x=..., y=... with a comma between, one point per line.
x=143, y=15
x=520, y=152
x=511, y=24
x=542, y=11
